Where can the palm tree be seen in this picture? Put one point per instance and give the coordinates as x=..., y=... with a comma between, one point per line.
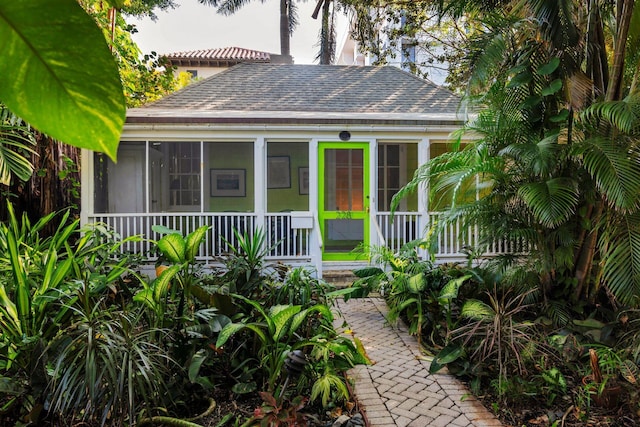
x=559, y=126
x=327, y=36
x=288, y=18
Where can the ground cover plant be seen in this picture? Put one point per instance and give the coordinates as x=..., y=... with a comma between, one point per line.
x=531, y=360
x=88, y=339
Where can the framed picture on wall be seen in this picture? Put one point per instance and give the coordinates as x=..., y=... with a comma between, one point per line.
x=278, y=172
x=303, y=180
x=228, y=183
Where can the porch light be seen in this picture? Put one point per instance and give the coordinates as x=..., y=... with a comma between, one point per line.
x=345, y=135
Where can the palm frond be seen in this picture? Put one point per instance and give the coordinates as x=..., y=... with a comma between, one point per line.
x=553, y=201
x=616, y=172
x=624, y=115
x=228, y=7
x=621, y=255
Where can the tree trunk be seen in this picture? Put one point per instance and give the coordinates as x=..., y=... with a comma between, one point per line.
x=326, y=36
x=54, y=186
x=285, y=32
x=624, y=14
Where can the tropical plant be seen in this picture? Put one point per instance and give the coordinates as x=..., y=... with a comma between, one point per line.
x=39, y=280
x=92, y=95
x=246, y=270
x=181, y=252
x=301, y=288
x=497, y=342
x=279, y=330
x=276, y=411
x=107, y=365
x=554, y=159
x=15, y=147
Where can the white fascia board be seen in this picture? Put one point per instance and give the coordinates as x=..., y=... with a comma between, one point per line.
x=156, y=113
x=211, y=132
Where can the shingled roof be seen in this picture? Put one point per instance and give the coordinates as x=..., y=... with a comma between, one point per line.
x=308, y=93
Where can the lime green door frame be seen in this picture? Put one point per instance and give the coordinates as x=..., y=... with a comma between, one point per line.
x=343, y=198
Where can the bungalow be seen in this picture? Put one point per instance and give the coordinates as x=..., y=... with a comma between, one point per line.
x=310, y=154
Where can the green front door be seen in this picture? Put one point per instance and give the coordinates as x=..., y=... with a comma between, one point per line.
x=344, y=199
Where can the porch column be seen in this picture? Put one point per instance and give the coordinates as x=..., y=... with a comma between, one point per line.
x=375, y=237
x=86, y=185
x=315, y=239
x=423, y=195
x=260, y=181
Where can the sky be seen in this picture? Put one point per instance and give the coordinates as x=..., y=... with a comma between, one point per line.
x=192, y=26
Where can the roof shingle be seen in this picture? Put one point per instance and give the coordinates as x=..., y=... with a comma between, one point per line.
x=273, y=89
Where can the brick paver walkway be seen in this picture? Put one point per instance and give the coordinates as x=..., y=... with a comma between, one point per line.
x=397, y=390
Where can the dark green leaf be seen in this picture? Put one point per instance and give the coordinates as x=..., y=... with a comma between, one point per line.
x=549, y=67
x=244, y=388
x=520, y=79
x=560, y=117
x=196, y=362
x=555, y=86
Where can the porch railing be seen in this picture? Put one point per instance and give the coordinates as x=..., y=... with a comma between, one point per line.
x=281, y=239
x=285, y=242
x=450, y=241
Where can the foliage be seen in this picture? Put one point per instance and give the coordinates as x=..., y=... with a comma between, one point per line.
x=87, y=339
x=123, y=364
x=278, y=411
x=15, y=146
x=145, y=78
x=301, y=288
x=40, y=281
x=551, y=155
x=90, y=105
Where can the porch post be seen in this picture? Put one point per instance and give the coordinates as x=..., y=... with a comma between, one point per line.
x=374, y=237
x=260, y=182
x=423, y=195
x=86, y=185
x=315, y=246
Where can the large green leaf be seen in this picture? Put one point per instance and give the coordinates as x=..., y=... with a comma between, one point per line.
x=11, y=162
x=162, y=283
x=614, y=168
x=477, y=310
x=417, y=283
x=281, y=317
x=450, y=290
x=193, y=242
x=622, y=259
x=173, y=247
x=58, y=74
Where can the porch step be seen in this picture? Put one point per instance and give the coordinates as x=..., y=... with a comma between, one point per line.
x=339, y=278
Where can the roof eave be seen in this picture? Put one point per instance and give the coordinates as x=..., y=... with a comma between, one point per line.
x=293, y=118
